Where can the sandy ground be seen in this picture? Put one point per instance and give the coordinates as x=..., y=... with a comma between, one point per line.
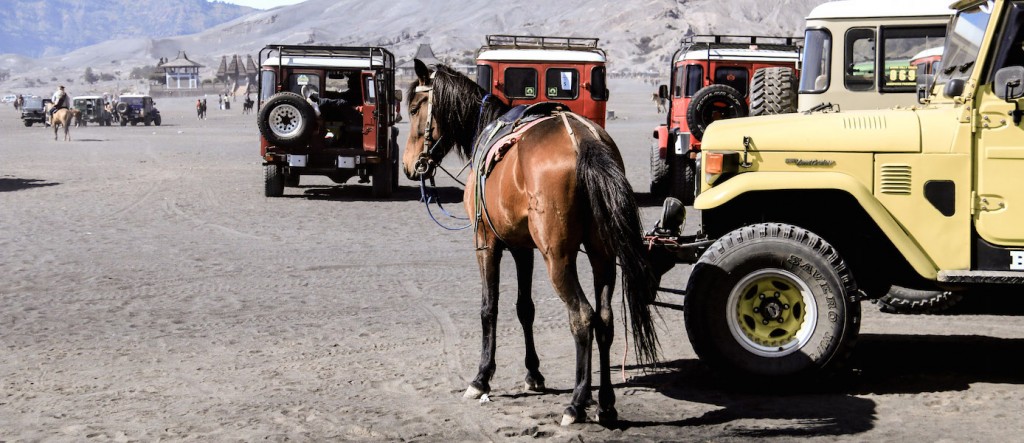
x=150, y=292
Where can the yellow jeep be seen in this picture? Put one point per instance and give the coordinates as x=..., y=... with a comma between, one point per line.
x=805, y=216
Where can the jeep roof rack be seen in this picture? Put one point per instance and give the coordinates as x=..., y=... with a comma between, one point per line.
x=506, y=41
x=379, y=56
x=764, y=42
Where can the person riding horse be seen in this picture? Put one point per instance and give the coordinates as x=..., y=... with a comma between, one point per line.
x=60, y=100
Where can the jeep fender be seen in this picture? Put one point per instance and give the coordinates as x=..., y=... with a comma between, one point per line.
x=732, y=188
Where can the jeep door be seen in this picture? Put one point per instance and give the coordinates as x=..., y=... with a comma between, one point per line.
x=999, y=150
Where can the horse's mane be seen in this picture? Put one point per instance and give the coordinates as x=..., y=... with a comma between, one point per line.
x=461, y=108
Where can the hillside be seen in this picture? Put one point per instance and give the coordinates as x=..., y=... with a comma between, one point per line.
x=639, y=36
x=36, y=28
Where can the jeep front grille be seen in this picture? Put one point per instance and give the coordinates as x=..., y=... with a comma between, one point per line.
x=895, y=179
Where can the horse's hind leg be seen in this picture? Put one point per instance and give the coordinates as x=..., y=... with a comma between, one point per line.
x=489, y=260
x=562, y=269
x=604, y=331
x=525, y=311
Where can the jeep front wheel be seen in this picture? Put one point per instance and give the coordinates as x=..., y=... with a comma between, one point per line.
x=713, y=103
x=771, y=301
x=286, y=120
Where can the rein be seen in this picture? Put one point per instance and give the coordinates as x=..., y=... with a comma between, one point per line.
x=429, y=160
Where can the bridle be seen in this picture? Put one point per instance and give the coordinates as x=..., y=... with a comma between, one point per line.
x=431, y=155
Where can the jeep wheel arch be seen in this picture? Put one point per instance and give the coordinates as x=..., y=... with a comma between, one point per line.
x=771, y=300
x=713, y=103
x=773, y=91
x=286, y=120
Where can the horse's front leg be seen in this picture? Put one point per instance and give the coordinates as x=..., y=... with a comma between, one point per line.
x=489, y=260
x=525, y=311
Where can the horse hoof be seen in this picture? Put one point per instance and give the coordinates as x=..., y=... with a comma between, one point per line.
x=606, y=417
x=534, y=385
x=473, y=393
x=570, y=416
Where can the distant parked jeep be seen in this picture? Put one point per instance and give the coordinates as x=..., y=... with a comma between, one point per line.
x=91, y=107
x=137, y=109
x=32, y=111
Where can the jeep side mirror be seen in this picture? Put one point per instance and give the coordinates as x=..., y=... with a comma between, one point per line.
x=954, y=88
x=663, y=91
x=398, y=94
x=924, y=86
x=1009, y=83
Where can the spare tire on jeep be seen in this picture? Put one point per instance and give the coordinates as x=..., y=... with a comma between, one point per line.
x=286, y=120
x=712, y=103
x=773, y=91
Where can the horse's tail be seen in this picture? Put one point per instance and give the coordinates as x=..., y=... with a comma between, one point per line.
x=601, y=178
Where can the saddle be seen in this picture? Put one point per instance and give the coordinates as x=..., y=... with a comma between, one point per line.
x=500, y=135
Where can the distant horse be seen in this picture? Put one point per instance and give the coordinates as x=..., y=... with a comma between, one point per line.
x=559, y=186
x=61, y=118
x=659, y=101
x=247, y=105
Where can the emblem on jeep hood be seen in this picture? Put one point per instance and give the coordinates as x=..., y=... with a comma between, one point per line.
x=812, y=162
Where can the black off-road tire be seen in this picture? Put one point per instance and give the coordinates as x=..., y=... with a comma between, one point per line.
x=661, y=183
x=27, y=123
x=900, y=300
x=773, y=91
x=156, y=119
x=684, y=178
x=381, y=180
x=771, y=271
x=273, y=181
x=286, y=120
x=713, y=103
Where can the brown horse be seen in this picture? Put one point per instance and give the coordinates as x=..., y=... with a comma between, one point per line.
x=561, y=186
x=63, y=117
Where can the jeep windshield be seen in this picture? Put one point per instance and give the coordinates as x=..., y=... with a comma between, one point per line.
x=33, y=103
x=963, y=42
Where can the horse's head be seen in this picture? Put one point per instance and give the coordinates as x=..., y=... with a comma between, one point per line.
x=421, y=155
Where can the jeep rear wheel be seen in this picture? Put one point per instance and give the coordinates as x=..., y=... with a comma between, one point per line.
x=381, y=180
x=900, y=300
x=773, y=91
x=286, y=120
x=713, y=103
x=273, y=181
x=771, y=301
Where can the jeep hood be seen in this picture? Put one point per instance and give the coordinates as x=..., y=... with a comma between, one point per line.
x=896, y=130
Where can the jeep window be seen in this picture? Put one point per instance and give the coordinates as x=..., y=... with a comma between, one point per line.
x=371, y=90
x=268, y=84
x=521, y=83
x=598, y=83
x=963, y=43
x=483, y=77
x=694, y=79
x=677, y=81
x=859, y=59
x=738, y=78
x=561, y=83
x=814, y=78
x=297, y=81
x=899, y=45
x=1011, y=44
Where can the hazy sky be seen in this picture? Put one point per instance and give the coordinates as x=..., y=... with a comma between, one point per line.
x=263, y=4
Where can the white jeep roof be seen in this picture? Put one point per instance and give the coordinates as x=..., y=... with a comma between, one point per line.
x=323, y=62
x=739, y=55
x=856, y=9
x=541, y=55
x=88, y=97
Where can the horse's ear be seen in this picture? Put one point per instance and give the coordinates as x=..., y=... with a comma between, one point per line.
x=422, y=71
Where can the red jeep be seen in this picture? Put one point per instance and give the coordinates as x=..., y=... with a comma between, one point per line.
x=715, y=77
x=529, y=69
x=328, y=110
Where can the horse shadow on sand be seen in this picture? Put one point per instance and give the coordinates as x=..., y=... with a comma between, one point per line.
x=450, y=197
x=11, y=184
x=880, y=365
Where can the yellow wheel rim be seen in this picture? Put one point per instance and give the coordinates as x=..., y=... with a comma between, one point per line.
x=772, y=312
